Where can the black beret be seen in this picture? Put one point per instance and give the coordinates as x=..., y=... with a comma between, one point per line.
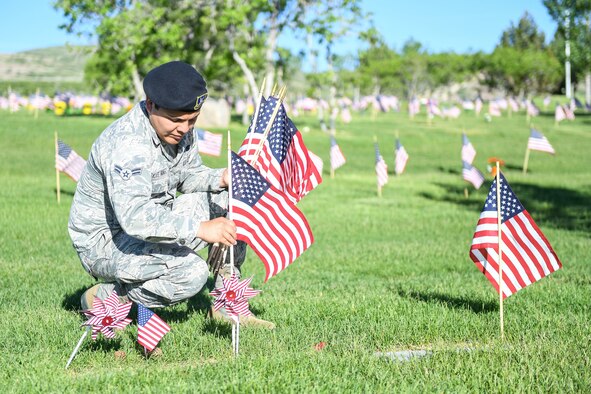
x=176, y=86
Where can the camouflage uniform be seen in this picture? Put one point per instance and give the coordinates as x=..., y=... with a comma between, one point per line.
x=127, y=223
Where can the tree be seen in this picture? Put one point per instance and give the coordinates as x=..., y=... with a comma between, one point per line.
x=523, y=36
x=574, y=27
x=521, y=63
x=135, y=35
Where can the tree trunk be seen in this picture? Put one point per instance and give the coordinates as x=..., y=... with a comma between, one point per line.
x=588, y=87
x=270, y=62
x=137, y=84
x=254, y=90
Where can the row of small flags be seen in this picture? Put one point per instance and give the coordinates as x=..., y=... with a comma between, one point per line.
x=536, y=141
x=72, y=164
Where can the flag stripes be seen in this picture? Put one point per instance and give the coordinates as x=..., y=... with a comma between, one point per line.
x=400, y=159
x=68, y=161
x=538, y=142
x=266, y=219
x=151, y=328
x=209, y=143
x=527, y=256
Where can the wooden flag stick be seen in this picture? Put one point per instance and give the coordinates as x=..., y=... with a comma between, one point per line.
x=257, y=108
x=78, y=346
x=37, y=93
x=375, y=140
x=282, y=92
x=57, y=172
x=525, y=161
x=236, y=324
x=466, y=192
x=500, y=253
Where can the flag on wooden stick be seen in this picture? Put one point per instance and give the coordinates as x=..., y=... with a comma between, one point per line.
x=150, y=327
x=472, y=175
x=526, y=253
x=209, y=143
x=537, y=141
x=381, y=167
x=266, y=219
x=283, y=158
x=68, y=161
x=337, y=159
x=468, y=151
x=400, y=159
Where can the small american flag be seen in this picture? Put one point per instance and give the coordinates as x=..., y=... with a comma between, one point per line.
x=468, y=151
x=337, y=158
x=381, y=167
x=209, y=143
x=151, y=328
x=68, y=161
x=284, y=160
x=537, y=141
x=559, y=114
x=472, y=175
x=526, y=253
x=317, y=161
x=400, y=159
x=266, y=219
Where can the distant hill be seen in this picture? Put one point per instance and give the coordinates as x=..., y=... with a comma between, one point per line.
x=53, y=64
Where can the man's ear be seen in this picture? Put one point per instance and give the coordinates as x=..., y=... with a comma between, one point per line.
x=149, y=105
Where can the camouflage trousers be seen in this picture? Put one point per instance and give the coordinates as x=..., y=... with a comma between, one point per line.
x=158, y=274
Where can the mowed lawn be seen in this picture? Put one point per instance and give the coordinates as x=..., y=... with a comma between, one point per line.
x=384, y=274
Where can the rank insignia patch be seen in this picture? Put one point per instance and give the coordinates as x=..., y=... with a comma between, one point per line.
x=127, y=173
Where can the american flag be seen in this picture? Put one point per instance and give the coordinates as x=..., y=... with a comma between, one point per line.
x=559, y=114
x=400, y=159
x=150, y=327
x=209, y=143
x=537, y=141
x=337, y=158
x=284, y=160
x=472, y=175
x=526, y=253
x=493, y=109
x=532, y=109
x=317, y=161
x=266, y=219
x=68, y=161
x=468, y=151
x=568, y=112
x=381, y=167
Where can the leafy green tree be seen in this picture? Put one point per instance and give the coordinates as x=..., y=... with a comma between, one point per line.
x=574, y=26
x=524, y=35
x=521, y=63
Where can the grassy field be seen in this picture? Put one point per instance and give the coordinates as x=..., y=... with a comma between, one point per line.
x=384, y=274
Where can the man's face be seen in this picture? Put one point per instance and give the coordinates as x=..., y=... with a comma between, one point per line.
x=170, y=125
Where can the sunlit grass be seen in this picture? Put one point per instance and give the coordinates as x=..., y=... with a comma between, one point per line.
x=384, y=274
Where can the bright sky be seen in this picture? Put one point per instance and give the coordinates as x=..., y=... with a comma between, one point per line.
x=440, y=25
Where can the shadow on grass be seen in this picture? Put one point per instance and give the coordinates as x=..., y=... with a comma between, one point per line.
x=66, y=192
x=472, y=305
x=452, y=171
x=550, y=206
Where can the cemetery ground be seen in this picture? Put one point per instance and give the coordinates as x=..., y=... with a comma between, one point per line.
x=384, y=274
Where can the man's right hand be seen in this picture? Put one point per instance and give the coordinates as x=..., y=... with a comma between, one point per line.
x=220, y=230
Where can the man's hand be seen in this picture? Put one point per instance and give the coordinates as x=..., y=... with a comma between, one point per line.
x=225, y=180
x=220, y=230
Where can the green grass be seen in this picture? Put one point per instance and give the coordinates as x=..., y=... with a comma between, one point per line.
x=384, y=274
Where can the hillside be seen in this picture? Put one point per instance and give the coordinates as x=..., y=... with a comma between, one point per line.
x=53, y=64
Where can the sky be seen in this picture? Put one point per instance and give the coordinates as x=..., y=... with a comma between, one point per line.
x=440, y=25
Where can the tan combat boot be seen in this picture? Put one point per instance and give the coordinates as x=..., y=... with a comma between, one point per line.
x=102, y=291
x=221, y=314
